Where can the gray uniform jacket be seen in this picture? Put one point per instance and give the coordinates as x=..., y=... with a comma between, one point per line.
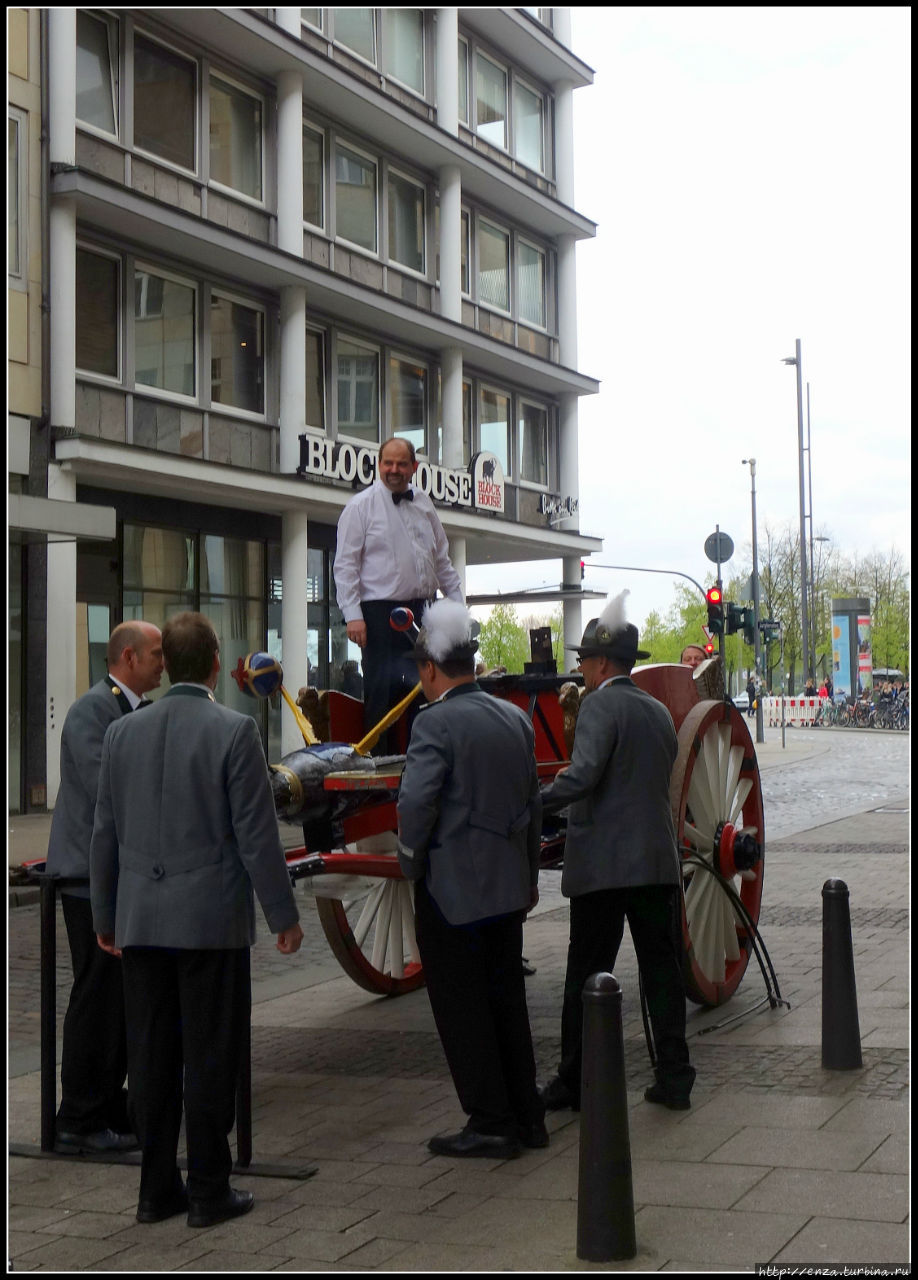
x=470, y=815
x=81, y=753
x=185, y=828
x=620, y=831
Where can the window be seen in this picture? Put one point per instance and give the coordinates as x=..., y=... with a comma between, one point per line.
x=165, y=86
x=464, y=222
x=527, y=126
x=493, y=266
x=533, y=423
x=494, y=426
x=315, y=379
x=96, y=72
x=491, y=101
x=97, y=310
x=355, y=198
x=235, y=138
x=312, y=17
x=466, y=421
x=164, y=332
x=406, y=222
x=313, y=177
x=404, y=46
x=408, y=401
x=356, y=28
x=14, y=193
x=463, y=81
x=237, y=358
x=531, y=283
x=358, y=390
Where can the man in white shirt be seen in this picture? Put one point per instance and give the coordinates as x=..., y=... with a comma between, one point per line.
x=392, y=551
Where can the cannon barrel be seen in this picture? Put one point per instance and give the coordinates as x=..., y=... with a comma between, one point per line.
x=298, y=781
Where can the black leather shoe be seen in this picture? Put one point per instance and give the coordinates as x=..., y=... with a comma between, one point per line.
x=534, y=1135
x=154, y=1211
x=207, y=1213
x=492, y=1146
x=656, y=1093
x=556, y=1096
x=102, y=1140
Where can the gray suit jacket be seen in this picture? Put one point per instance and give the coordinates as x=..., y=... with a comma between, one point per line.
x=470, y=815
x=185, y=828
x=81, y=753
x=620, y=831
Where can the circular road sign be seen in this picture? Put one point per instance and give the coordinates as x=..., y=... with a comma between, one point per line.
x=719, y=547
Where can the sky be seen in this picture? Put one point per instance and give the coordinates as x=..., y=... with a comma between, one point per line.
x=748, y=169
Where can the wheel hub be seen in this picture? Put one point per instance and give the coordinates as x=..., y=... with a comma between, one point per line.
x=734, y=850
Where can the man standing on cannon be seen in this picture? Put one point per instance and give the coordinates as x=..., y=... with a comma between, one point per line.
x=392, y=551
x=469, y=833
x=620, y=856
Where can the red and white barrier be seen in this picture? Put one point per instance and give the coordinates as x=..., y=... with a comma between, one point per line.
x=798, y=711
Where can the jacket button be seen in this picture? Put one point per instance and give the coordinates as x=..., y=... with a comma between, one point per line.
x=158, y=871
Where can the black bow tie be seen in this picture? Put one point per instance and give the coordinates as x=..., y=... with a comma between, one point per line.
x=407, y=496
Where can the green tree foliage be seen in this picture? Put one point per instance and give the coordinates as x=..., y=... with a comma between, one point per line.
x=504, y=641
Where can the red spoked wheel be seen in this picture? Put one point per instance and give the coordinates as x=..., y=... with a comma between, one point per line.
x=716, y=797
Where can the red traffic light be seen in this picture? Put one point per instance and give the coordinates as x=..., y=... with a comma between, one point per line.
x=714, y=596
x=709, y=648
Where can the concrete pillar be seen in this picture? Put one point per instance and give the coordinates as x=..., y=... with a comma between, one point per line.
x=561, y=26
x=567, y=300
x=447, y=68
x=450, y=243
x=292, y=375
x=457, y=553
x=290, y=162
x=564, y=142
x=451, y=394
x=62, y=85
x=62, y=275
x=289, y=20
x=294, y=618
x=572, y=609
x=60, y=650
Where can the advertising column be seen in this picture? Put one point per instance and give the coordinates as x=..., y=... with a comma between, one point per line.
x=852, y=669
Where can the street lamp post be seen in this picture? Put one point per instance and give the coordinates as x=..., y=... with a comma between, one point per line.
x=759, y=711
x=804, y=611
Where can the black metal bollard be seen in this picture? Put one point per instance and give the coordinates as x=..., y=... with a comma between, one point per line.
x=841, y=1037
x=605, y=1196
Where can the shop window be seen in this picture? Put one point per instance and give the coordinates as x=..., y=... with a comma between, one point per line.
x=165, y=85
x=406, y=222
x=408, y=401
x=404, y=46
x=358, y=390
x=164, y=332
x=97, y=72
x=493, y=266
x=237, y=358
x=355, y=198
x=98, y=291
x=313, y=177
x=235, y=138
x=530, y=272
x=491, y=101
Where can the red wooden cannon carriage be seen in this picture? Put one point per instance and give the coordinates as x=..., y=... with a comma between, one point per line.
x=366, y=907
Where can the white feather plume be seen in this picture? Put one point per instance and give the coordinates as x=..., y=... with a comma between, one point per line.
x=613, y=615
x=445, y=626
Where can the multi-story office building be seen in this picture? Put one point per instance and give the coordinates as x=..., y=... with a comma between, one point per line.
x=276, y=237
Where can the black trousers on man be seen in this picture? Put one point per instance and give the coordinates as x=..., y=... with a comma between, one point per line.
x=94, y=1052
x=187, y=1013
x=389, y=672
x=597, y=923
x=475, y=984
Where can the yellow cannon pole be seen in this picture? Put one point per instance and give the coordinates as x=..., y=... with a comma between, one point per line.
x=367, y=743
x=306, y=729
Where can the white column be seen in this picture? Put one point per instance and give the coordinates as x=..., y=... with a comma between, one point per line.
x=567, y=300
x=294, y=531
x=60, y=648
x=457, y=553
x=564, y=142
x=450, y=243
x=570, y=487
x=292, y=375
x=62, y=85
x=289, y=20
x=561, y=26
x=448, y=70
x=290, y=162
x=451, y=392
x=62, y=273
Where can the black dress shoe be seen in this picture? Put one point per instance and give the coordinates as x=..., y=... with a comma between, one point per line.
x=534, y=1135
x=556, y=1096
x=675, y=1102
x=156, y=1211
x=207, y=1213
x=100, y=1141
x=492, y=1146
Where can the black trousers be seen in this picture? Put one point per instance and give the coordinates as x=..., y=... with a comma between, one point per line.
x=476, y=988
x=187, y=1011
x=389, y=671
x=596, y=927
x=94, y=1052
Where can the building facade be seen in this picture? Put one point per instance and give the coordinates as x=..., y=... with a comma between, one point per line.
x=274, y=238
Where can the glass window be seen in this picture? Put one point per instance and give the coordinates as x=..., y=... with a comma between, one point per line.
x=164, y=102
x=356, y=29
x=494, y=433
x=408, y=401
x=235, y=139
x=466, y=421
x=158, y=559
x=527, y=126
x=313, y=177
x=464, y=252
x=312, y=16
x=97, y=298
x=530, y=267
x=355, y=198
x=96, y=72
x=13, y=192
x=491, y=101
x=237, y=355
x=534, y=443
x=315, y=379
x=404, y=46
x=240, y=628
x=463, y=82
x=493, y=266
x=232, y=566
x=164, y=327
x=406, y=222
x=358, y=390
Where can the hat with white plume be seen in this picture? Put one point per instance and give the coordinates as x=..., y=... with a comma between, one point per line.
x=610, y=636
x=448, y=633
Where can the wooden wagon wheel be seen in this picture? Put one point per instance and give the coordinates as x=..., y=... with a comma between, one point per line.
x=716, y=797
x=370, y=929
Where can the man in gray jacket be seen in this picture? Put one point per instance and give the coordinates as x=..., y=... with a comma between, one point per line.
x=185, y=829
x=620, y=856
x=93, y=1112
x=469, y=833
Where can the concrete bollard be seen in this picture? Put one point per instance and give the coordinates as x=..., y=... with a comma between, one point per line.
x=605, y=1197
x=841, y=1037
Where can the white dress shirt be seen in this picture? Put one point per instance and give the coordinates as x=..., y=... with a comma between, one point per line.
x=391, y=552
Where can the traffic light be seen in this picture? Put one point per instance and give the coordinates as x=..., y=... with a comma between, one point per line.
x=709, y=649
x=715, y=599
x=733, y=620
x=749, y=625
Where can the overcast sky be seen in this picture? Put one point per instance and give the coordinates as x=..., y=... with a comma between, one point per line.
x=748, y=169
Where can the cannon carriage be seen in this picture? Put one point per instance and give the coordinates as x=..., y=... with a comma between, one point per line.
x=365, y=906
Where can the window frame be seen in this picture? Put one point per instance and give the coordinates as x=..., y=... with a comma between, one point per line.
x=304, y=22
x=465, y=78
x=508, y=232
x=546, y=408
x=338, y=142
x=325, y=348
x=536, y=92
x=378, y=348
x=542, y=325
x=195, y=62
x=482, y=385
x=323, y=134
x=144, y=388
x=480, y=52
x=404, y=176
x=400, y=356
x=214, y=183
x=354, y=53
x=19, y=278
x=211, y=291
x=107, y=379
x=113, y=30
x=382, y=54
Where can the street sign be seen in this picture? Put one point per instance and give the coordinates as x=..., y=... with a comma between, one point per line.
x=719, y=547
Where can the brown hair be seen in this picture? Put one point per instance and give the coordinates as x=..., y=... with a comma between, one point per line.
x=189, y=647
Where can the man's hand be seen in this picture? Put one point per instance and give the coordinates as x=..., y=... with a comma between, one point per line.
x=289, y=940
x=107, y=942
x=357, y=632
